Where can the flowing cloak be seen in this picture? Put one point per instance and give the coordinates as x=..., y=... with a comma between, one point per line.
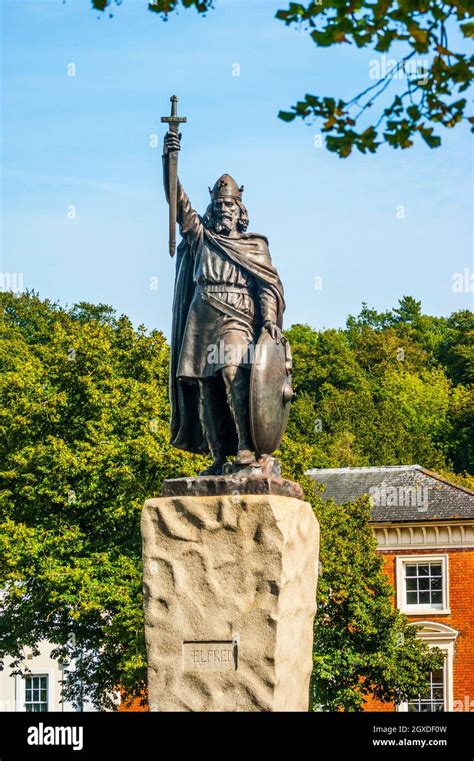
x=250, y=252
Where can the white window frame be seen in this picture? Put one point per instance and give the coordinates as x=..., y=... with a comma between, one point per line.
x=403, y=607
x=48, y=687
x=20, y=696
x=444, y=638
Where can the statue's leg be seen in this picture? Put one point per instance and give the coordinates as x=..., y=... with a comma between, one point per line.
x=211, y=426
x=236, y=381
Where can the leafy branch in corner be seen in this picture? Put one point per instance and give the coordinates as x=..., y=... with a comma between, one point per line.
x=431, y=96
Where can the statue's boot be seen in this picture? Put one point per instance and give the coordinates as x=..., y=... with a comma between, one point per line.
x=237, y=391
x=211, y=427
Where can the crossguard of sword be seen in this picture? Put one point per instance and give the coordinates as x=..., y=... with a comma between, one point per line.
x=173, y=119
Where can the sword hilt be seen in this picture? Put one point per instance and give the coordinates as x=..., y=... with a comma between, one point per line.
x=173, y=119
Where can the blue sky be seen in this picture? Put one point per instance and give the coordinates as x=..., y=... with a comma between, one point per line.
x=84, y=142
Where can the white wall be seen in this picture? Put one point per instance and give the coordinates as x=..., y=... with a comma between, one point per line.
x=12, y=688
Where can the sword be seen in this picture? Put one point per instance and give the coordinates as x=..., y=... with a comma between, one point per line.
x=174, y=121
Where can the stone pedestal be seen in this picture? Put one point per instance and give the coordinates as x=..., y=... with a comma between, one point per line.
x=230, y=597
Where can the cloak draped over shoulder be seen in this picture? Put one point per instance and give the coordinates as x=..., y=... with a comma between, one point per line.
x=250, y=252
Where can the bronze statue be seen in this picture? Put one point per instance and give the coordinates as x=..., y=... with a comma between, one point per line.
x=227, y=296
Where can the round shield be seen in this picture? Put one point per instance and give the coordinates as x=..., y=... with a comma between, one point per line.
x=270, y=392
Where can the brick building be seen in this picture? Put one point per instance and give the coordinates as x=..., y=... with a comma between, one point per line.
x=424, y=527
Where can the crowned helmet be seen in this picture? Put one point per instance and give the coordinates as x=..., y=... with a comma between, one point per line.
x=226, y=187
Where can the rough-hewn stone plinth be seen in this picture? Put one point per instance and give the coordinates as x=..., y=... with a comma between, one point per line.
x=230, y=598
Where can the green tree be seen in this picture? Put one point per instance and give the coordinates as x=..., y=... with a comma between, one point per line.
x=415, y=331
x=377, y=393
x=427, y=81
x=84, y=426
x=458, y=432
x=456, y=350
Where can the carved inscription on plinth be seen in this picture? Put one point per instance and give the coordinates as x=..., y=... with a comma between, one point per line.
x=210, y=655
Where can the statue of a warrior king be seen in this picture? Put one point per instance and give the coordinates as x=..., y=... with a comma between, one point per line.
x=227, y=295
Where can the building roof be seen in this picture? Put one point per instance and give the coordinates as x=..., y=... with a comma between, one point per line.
x=399, y=492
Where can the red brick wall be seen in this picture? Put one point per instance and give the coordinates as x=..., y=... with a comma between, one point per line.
x=461, y=603
x=132, y=705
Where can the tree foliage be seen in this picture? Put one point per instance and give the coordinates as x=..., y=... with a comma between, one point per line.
x=391, y=388
x=435, y=74
x=84, y=423
x=85, y=440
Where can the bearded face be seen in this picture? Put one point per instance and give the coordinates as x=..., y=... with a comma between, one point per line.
x=225, y=215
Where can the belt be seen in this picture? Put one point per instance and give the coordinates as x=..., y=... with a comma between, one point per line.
x=223, y=288
x=227, y=309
